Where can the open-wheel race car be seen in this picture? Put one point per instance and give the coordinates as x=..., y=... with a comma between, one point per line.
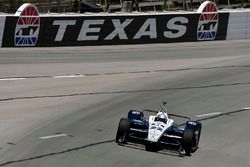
x=158, y=131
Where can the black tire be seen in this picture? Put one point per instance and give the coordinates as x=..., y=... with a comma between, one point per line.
x=196, y=128
x=188, y=138
x=151, y=148
x=122, y=131
x=198, y=135
x=148, y=147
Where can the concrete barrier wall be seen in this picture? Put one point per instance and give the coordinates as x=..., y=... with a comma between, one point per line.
x=49, y=31
x=110, y=30
x=239, y=25
x=28, y=28
x=2, y=25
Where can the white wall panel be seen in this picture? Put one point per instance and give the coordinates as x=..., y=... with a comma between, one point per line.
x=2, y=24
x=239, y=25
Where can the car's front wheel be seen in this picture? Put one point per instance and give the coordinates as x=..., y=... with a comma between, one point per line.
x=151, y=147
x=122, y=132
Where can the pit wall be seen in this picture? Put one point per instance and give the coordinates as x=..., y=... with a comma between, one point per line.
x=28, y=29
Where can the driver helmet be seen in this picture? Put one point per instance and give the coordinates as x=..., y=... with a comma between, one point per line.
x=161, y=118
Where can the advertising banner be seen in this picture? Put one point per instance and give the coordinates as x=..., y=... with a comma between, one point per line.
x=27, y=28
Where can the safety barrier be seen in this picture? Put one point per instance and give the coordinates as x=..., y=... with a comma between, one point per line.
x=239, y=25
x=2, y=25
x=28, y=28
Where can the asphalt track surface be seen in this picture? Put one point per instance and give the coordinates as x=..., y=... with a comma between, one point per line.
x=60, y=107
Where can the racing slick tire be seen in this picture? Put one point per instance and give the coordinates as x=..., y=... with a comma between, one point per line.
x=191, y=136
x=122, y=131
x=148, y=147
x=188, y=138
x=151, y=147
x=197, y=135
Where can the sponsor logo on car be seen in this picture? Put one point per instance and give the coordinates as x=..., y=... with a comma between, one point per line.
x=28, y=25
x=208, y=21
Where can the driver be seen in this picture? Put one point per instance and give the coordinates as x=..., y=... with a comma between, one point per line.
x=161, y=118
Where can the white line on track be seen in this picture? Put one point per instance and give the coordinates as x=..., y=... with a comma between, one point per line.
x=209, y=114
x=246, y=108
x=12, y=79
x=68, y=76
x=57, y=76
x=53, y=136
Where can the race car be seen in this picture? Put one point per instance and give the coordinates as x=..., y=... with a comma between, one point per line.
x=158, y=131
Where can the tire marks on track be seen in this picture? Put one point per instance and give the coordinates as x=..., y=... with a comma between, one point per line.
x=119, y=73
x=126, y=91
x=56, y=153
x=105, y=142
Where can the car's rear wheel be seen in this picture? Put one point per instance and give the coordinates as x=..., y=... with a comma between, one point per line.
x=197, y=135
x=191, y=136
x=122, y=132
x=188, y=138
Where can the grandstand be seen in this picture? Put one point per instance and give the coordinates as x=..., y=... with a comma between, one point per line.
x=81, y=6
